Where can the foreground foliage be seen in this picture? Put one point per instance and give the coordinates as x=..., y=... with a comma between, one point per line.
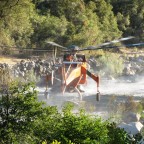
x=19, y=112
x=25, y=120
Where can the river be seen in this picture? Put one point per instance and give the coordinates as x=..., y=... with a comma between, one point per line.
x=110, y=91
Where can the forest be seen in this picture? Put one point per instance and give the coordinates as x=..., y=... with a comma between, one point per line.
x=30, y=23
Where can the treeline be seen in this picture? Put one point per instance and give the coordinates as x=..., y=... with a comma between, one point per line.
x=30, y=23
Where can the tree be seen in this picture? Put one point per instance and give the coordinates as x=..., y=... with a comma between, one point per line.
x=131, y=14
x=19, y=112
x=88, y=22
x=49, y=28
x=77, y=22
x=15, y=23
x=107, y=21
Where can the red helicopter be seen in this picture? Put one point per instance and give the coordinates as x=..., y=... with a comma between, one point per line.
x=73, y=70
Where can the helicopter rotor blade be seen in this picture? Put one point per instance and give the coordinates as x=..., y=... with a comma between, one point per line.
x=36, y=50
x=133, y=45
x=122, y=46
x=14, y=48
x=55, y=44
x=116, y=41
x=91, y=47
x=107, y=43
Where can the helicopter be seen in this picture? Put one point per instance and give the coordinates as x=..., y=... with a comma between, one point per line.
x=73, y=70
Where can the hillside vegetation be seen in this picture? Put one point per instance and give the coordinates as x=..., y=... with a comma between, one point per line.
x=30, y=23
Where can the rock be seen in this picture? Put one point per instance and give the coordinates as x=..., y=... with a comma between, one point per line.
x=132, y=128
x=131, y=117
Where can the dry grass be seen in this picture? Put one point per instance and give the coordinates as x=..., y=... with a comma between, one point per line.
x=9, y=60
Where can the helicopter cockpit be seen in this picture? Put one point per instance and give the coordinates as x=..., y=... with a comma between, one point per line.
x=74, y=58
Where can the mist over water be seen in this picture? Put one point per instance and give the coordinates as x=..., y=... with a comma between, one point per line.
x=117, y=87
x=107, y=87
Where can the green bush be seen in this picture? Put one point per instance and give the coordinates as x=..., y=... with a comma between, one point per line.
x=25, y=120
x=111, y=64
x=117, y=135
x=19, y=113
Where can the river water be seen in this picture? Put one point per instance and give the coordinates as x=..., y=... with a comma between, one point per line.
x=118, y=90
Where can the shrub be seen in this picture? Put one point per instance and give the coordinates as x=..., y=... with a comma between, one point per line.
x=25, y=120
x=19, y=113
x=111, y=64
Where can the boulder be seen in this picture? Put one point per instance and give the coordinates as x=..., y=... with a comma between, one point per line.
x=132, y=127
x=131, y=117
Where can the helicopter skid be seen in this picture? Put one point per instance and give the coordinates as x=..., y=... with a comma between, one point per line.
x=75, y=92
